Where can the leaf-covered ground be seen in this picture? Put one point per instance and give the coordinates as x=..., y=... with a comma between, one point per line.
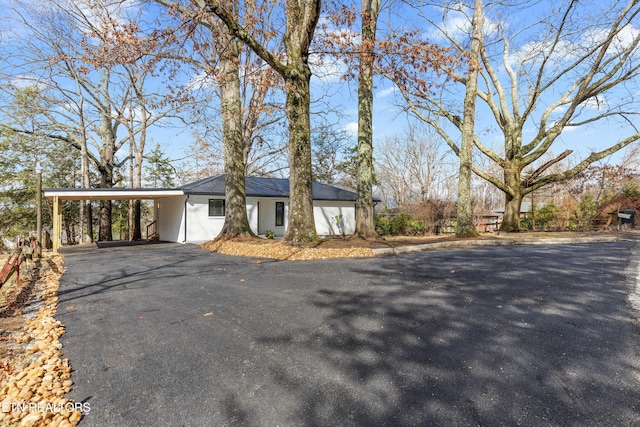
x=33, y=375
x=338, y=247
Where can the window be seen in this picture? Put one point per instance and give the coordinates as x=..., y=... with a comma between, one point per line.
x=279, y=214
x=216, y=207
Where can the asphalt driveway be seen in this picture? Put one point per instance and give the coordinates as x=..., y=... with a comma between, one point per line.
x=172, y=335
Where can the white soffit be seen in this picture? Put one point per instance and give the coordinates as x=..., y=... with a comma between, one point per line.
x=110, y=193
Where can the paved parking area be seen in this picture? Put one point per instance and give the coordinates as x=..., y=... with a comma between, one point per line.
x=525, y=335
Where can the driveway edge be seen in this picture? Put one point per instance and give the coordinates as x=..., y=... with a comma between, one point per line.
x=496, y=242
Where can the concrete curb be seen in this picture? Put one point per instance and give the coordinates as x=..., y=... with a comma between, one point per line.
x=497, y=242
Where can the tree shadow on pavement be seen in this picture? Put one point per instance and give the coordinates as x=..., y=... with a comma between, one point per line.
x=153, y=265
x=504, y=336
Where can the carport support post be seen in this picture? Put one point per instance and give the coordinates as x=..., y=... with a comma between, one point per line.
x=57, y=223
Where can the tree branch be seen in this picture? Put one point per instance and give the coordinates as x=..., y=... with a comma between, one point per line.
x=243, y=35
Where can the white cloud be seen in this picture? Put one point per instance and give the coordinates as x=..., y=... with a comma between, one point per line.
x=458, y=25
x=25, y=81
x=202, y=81
x=538, y=49
x=622, y=41
x=137, y=115
x=326, y=69
x=598, y=103
x=572, y=50
x=386, y=92
x=627, y=36
x=326, y=29
x=351, y=128
x=103, y=16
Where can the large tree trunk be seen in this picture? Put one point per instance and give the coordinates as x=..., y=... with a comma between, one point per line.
x=235, y=218
x=137, y=79
x=135, y=225
x=513, y=199
x=302, y=18
x=106, y=168
x=365, y=221
x=301, y=226
x=86, y=177
x=89, y=220
x=86, y=183
x=134, y=228
x=135, y=232
x=511, y=220
x=104, y=229
x=466, y=227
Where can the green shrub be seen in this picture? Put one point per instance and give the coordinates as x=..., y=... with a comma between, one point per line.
x=270, y=234
x=415, y=227
x=403, y=224
x=631, y=190
x=544, y=217
x=400, y=223
x=383, y=225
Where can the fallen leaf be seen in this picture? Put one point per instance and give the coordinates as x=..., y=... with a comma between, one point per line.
x=140, y=317
x=208, y=314
x=242, y=280
x=125, y=286
x=6, y=367
x=71, y=307
x=259, y=261
x=453, y=271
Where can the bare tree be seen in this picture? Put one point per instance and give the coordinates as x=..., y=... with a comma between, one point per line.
x=365, y=221
x=562, y=75
x=412, y=167
x=301, y=21
x=367, y=55
x=242, y=84
x=465, y=224
x=71, y=53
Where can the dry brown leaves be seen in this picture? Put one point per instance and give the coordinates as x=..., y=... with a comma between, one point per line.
x=34, y=383
x=260, y=248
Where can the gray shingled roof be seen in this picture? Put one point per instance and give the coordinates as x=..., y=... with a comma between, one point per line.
x=266, y=187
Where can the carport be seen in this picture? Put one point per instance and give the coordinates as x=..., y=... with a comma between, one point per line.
x=90, y=194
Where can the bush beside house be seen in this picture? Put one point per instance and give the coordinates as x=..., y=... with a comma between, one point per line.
x=428, y=217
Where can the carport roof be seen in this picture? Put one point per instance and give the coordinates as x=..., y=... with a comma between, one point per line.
x=111, y=193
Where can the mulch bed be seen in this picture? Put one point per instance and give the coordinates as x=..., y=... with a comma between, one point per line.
x=33, y=375
x=350, y=247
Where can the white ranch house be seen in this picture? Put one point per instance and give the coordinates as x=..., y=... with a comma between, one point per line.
x=198, y=215
x=194, y=213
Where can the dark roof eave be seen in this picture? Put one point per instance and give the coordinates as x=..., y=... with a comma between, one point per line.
x=201, y=193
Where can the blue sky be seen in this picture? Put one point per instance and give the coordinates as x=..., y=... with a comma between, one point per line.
x=389, y=120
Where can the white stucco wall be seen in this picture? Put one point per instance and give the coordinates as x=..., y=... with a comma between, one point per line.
x=261, y=213
x=252, y=213
x=200, y=226
x=325, y=213
x=169, y=214
x=267, y=211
